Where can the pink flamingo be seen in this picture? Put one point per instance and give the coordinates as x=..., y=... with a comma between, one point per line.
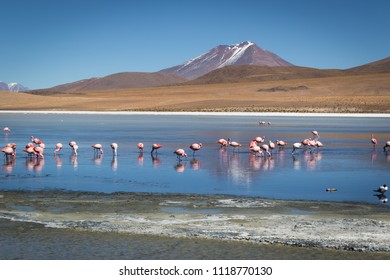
x=257, y=149
x=252, y=144
x=36, y=140
x=315, y=134
x=39, y=151
x=271, y=145
x=58, y=148
x=6, y=129
x=259, y=139
x=387, y=145
x=265, y=148
x=195, y=147
x=30, y=150
x=374, y=141
x=72, y=143
x=114, y=147
x=180, y=153
x=97, y=148
x=233, y=144
x=13, y=146
x=222, y=142
x=281, y=143
x=140, y=147
x=155, y=147
x=8, y=151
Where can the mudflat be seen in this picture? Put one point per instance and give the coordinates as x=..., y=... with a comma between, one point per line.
x=343, y=226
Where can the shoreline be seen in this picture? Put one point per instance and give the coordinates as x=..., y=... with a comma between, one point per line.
x=312, y=224
x=200, y=113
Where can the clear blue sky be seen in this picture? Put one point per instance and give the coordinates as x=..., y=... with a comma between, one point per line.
x=49, y=42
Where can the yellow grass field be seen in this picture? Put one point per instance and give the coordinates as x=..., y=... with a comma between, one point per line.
x=369, y=93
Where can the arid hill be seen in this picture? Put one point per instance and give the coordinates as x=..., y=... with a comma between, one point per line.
x=380, y=66
x=117, y=81
x=252, y=73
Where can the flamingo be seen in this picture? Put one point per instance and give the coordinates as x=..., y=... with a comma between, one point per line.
x=271, y=145
x=8, y=151
x=36, y=140
x=257, y=149
x=281, y=143
x=315, y=134
x=140, y=147
x=58, y=148
x=114, y=147
x=180, y=153
x=387, y=145
x=234, y=144
x=72, y=143
x=382, y=189
x=13, y=146
x=195, y=147
x=296, y=146
x=252, y=144
x=374, y=141
x=97, y=148
x=265, y=148
x=259, y=139
x=6, y=129
x=222, y=142
x=75, y=148
x=39, y=151
x=318, y=144
x=155, y=147
x=30, y=150
x=306, y=142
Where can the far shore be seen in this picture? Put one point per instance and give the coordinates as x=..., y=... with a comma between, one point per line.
x=199, y=113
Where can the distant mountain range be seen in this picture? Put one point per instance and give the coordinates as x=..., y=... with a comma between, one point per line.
x=243, y=62
x=15, y=87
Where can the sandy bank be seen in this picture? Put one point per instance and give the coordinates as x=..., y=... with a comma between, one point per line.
x=345, y=226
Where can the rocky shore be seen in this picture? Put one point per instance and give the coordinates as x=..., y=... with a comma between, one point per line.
x=344, y=226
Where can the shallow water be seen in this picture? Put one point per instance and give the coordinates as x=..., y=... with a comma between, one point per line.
x=348, y=162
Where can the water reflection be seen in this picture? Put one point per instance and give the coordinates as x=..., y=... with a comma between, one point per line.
x=114, y=163
x=180, y=167
x=381, y=197
x=155, y=160
x=195, y=164
x=74, y=160
x=35, y=164
x=9, y=164
x=97, y=158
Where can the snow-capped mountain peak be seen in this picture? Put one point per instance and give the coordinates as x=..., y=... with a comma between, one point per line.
x=243, y=53
x=15, y=87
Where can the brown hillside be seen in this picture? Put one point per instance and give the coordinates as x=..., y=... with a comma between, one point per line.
x=252, y=73
x=118, y=81
x=380, y=66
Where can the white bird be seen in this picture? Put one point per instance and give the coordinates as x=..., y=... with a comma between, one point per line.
x=382, y=189
x=114, y=147
x=296, y=146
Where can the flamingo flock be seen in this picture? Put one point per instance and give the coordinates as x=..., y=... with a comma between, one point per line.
x=257, y=145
